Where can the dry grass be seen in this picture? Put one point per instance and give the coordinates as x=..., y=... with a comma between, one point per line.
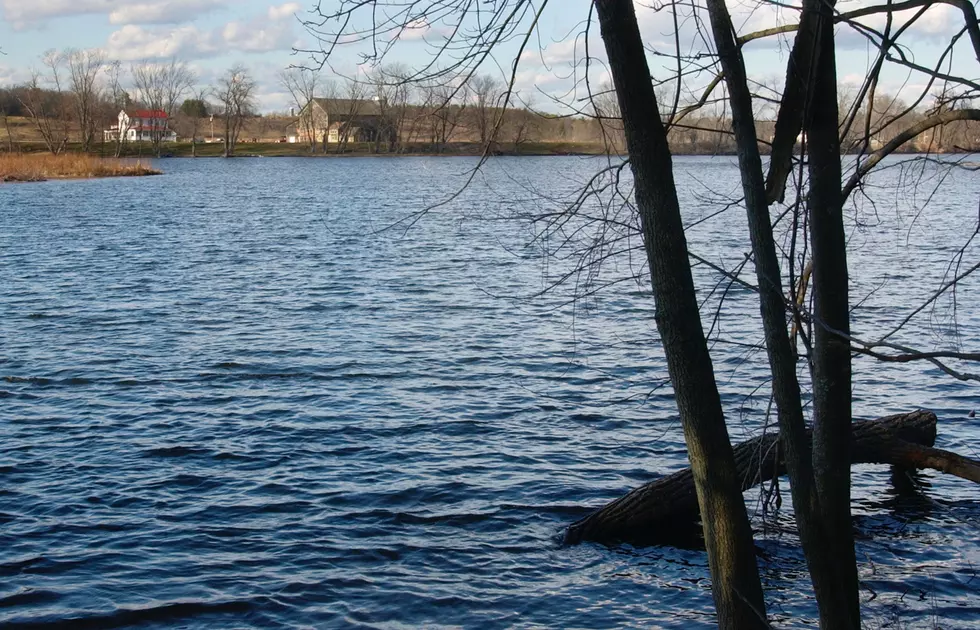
x=37, y=167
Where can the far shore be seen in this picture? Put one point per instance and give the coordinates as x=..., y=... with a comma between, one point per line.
x=144, y=151
x=285, y=149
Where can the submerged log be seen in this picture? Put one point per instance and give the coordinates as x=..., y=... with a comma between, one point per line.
x=666, y=509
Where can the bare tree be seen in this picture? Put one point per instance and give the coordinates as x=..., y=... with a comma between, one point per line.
x=390, y=92
x=84, y=70
x=486, y=96
x=820, y=480
x=303, y=85
x=235, y=93
x=401, y=96
x=6, y=98
x=54, y=61
x=524, y=124
x=608, y=118
x=354, y=93
x=161, y=87
x=43, y=106
x=115, y=102
x=191, y=114
x=449, y=106
x=728, y=536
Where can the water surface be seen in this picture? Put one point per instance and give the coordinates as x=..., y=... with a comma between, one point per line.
x=236, y=396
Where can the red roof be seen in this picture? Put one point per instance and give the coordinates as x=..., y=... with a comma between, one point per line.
x=146, y=113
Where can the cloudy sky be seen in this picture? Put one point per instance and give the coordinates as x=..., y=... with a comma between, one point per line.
x=212, y=35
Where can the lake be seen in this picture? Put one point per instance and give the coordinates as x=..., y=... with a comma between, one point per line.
x=265, y=393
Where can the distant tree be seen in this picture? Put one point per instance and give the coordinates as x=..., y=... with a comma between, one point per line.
x=84, y=69
x=196, y=107
x=486, y=93
x=161, y=87
x=193, y=112
x=608, y=120
x=44, y=103
x=391, y=94
x=354, y=92
x=116, y=99
x=55, y=61
x=401, y=89
x=525, y=124
x=6, y=104
x=449, y=107
x=235, y=92
x=302, y=85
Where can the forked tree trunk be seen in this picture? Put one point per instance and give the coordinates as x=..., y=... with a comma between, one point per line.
x=789, y=120
x=736, y=588
x=665, y=509
x=813, y=529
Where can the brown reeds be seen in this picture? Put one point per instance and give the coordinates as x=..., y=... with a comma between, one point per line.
x=37, y=167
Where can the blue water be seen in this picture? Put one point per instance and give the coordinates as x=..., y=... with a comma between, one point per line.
x=264, y=393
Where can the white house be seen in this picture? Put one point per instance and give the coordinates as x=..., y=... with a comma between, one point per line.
x=141, y=125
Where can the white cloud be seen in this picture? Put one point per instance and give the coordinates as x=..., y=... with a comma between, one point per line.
x=163, y=12
x=274, y=101
x=135, y=42
x=570, y=51
x=10, y=75
x=284, y=11
x=258, y=35
x=265, y=33
x=24, y=11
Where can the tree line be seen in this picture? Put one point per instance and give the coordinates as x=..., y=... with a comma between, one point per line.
x=484, y=110
x=76, y=94
x=410, y=112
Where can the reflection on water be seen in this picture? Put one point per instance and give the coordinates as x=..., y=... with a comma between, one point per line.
x=228, y=399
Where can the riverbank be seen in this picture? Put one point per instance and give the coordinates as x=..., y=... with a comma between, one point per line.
x=284, y=149
x=143, y=151
x=39, y=167
x=472, y=149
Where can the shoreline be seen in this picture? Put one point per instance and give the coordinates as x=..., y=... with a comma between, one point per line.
x=41, y=167
x=281, y=150
x=18, y=179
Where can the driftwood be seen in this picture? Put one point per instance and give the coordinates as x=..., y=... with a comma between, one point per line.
x=666, y=510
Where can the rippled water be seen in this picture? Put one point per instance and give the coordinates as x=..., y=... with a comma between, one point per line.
x=230, y=398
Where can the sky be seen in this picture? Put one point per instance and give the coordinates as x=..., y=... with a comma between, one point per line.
x=212, y=35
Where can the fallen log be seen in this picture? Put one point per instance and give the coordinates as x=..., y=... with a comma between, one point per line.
x=666, y=509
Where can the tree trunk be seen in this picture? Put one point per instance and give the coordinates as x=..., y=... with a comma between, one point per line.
x=736, y=588
x=10, y=137
x=831, y=355
x=664, y=510
x=228, y=133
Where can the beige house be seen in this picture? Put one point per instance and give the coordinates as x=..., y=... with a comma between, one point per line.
x=334, y=120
